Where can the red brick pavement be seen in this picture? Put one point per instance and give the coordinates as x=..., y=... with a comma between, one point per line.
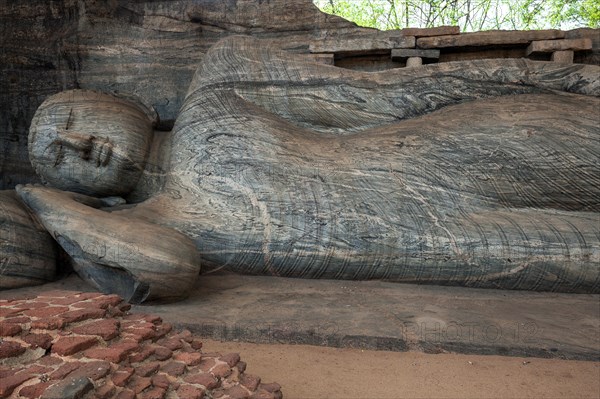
x=69, y=344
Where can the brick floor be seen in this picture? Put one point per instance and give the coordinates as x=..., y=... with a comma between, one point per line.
x=86, y=344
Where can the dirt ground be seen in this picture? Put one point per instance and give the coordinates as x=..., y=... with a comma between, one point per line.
x=307, y=372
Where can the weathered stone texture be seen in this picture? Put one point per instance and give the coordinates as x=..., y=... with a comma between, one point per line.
x=284, y=113
x=489, y=38
x=586, y=57
x=327, y=59
x=362, y=45
x=286, y=167
x=402, y=54
x=149, y=49
x=154, y=263
x=337, y=168
x=565, y=57
x=412, y=62
x=27, y=251
x=548, y=46
x=426, y=32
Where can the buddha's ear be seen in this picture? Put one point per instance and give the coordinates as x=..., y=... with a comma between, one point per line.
x=143, y=105
x=136, y=259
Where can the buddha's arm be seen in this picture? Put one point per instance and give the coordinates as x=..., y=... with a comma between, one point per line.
x=138, y=260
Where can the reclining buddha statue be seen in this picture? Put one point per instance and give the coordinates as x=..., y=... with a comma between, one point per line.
x=478, y=173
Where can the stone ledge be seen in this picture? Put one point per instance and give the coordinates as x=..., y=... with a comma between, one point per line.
x=377, y=315
x=403, y=54
x=489, y=38
x=426, y=32
x=549, y=46
x=390, y=316
x=362, y=45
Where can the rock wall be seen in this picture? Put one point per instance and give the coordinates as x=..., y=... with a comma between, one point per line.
x=151, y=48
x=146, y=48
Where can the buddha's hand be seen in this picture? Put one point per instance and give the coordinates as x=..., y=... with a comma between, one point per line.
x=136, y=259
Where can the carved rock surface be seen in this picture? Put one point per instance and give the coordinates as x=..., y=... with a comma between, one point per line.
x=548, y=46
x=449, y=173
x=481, y=173
x=489, y=38
x=84, y=125
x=146, y=48
x=27, y=251
x=138, y=260
x=151, y=48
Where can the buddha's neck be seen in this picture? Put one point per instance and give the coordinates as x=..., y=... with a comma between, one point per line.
x=156, y=168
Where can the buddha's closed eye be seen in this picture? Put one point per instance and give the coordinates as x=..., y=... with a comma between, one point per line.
x=89, y=147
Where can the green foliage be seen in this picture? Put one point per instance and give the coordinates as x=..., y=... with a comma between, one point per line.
x=584, y=12
x=470, y=15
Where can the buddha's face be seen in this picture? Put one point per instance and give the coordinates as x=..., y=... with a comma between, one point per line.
x=90, y=142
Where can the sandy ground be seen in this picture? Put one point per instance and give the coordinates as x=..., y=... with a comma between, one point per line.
x=307, y=372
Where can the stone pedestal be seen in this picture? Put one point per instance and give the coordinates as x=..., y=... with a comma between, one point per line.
x=565, y=57
x=414, y=57
x=414, y=62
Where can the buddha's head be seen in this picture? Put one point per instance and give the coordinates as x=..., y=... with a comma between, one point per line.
x=90, y=142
